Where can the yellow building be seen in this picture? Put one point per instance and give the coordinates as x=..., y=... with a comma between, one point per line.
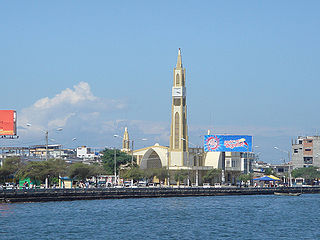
x=179, y=156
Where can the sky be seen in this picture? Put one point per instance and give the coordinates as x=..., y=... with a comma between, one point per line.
x=95, y=67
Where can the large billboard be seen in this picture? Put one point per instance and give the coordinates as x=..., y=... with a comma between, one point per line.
x=227, y=143
x=8, y=122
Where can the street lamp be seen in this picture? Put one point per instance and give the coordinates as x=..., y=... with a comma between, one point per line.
x=46, y=136
x=47, y=143
x=289, y=166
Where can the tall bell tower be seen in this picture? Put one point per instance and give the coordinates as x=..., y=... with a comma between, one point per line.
x=179, y=131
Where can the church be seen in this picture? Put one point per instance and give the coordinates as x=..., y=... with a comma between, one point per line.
x=179, y=155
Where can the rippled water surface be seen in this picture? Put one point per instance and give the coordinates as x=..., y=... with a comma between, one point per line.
x=217, y=217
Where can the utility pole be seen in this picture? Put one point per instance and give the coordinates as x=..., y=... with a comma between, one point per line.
x=132, y=159
x=115, y=166
x=47, y=133
x=289, y=165
x=132, y=153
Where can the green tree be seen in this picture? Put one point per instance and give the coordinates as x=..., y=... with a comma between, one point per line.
x=213, y=176
x=268, y=171
x=149, y=174
x=134, y=173
x=52, y=169
x=9, y=168
x=122, y=159
x=245, y=178
x=83, y=171
x=180, y=176
x=308, y=173
x=35, y=171
x=162, y=174
x=57, y=167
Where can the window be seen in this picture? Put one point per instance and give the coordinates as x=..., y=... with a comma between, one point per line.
x=308, y=160
x=177, y=79
x=295, y=150
x=228, y=163
x=308, y=150
x=177, y=101
x=309, y=141
x=176, y=131
x=234, y=163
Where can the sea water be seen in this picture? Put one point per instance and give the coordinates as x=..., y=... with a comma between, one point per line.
x=214, y=217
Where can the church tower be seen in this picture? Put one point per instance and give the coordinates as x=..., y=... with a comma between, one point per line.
x=125, y=141
x=179, y=131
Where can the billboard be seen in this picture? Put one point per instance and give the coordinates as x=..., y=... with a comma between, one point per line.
x=227, y=143
x=8, y=122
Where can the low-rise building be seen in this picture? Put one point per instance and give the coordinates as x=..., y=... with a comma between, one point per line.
x=86, y=153
x=306, y=152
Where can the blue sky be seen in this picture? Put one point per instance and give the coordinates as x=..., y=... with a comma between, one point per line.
x=96, y=67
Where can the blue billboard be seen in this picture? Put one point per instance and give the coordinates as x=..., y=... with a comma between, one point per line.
x=227, y=143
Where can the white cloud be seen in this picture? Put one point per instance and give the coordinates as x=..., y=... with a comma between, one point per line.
x=76, y=109
x=81, y=93
x=94, y=121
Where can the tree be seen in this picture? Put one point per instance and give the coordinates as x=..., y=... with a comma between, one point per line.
x=9, y=168
x=83, y=171
x=213, y=176
x=308, y=173
x=35, y=171
x=149, y=174
x=134, y=173
x=180, y=176
x=162, y=174
x=268, y=171
x=122, y=159
x=57, y=167
x=245, y=178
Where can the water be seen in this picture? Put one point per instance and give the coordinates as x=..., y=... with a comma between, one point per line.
x=220, y=217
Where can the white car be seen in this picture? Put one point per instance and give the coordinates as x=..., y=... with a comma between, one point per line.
x=206, y=185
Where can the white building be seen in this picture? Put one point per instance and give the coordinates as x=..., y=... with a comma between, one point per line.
x=85, y=153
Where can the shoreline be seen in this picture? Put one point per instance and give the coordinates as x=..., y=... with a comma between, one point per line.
x=46, y=195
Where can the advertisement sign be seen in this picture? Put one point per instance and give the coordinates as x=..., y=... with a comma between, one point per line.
x=7, y=122
x=227, y=143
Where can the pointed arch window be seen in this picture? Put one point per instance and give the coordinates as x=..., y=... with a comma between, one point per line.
x=176, y=130
x=177, y=79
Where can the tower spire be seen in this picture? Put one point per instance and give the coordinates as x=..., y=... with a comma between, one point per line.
x=179, y=61
x=125, y=141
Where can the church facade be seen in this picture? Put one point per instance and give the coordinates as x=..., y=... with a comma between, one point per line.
x=179, y=155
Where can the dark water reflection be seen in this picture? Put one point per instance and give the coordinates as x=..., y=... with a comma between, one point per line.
x=224, y=217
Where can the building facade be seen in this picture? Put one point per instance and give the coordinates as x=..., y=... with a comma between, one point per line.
x=178, y=148
x=306, y=152
x=178, y=155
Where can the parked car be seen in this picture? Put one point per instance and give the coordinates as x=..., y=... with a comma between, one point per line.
x=9, y=186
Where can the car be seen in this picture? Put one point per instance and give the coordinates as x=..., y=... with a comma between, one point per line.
x=9, y=186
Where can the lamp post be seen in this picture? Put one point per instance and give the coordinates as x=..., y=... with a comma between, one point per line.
x=46, y=132
x=47, y=143
x=115, y=166
x=289, y=167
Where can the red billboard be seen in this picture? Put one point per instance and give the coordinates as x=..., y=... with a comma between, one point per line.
x=8, y=122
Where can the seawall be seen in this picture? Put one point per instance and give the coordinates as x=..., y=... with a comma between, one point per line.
x=43, y=195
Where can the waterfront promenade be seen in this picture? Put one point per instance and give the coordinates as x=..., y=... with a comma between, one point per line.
x=44, y=195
